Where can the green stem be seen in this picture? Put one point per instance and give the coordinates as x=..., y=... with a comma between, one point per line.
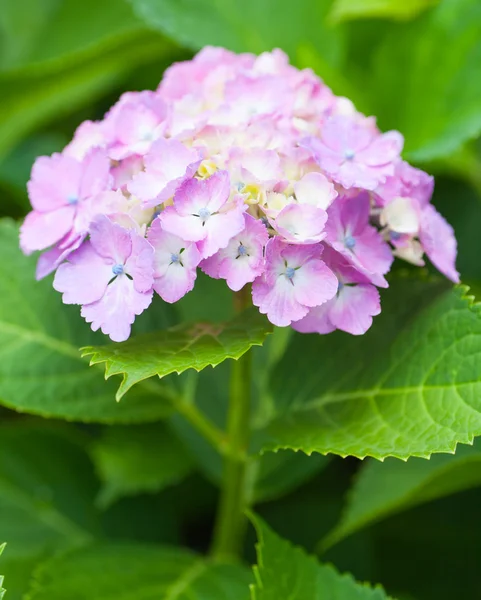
x=231, y=521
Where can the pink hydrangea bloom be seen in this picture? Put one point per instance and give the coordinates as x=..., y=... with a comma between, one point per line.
x=111, y=276
x=357, y=301
x=295, y=279
x=249, y=168
x=243, y=258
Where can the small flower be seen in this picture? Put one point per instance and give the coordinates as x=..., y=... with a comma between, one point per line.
x=352, y=308
x=407, y=182
x=295, y=279
x=353, y=154
x=301, y=223
x=111, y=276
x=167, y=166
x=350, y=234
x=136, y=122
x=175, y=263
x=59, y=190
x=201, y=213
x=243, y=258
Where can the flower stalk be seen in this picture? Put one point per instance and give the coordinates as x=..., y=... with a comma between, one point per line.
x=231, y=521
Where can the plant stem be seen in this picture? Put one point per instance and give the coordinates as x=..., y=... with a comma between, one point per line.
x=231, y=521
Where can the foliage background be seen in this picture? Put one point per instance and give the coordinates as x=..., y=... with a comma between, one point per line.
x=416, y=65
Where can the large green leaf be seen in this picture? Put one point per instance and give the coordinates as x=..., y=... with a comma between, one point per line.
x=47, y=491
x=248, y=26
x=409, y=387
x=284, y=571
x=383, y=489
x=138, y=572
x=57, y=57
x=425, y=78
x=136, y=459
x=392, y=9
x=41, y=370
x=187, y=346
x=32, y=96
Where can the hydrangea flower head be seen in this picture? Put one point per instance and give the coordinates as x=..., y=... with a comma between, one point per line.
x=244, y=167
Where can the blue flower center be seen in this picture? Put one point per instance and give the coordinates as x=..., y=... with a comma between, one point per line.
x=290, y=272
x=395, y=235
x=204, y=213
x=349, y=154
x=349, y=242
x=242, y=250
x=118, y=269
x=72, y=199
x=174, y=258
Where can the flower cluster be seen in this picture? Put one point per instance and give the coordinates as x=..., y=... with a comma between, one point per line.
x=248, y=169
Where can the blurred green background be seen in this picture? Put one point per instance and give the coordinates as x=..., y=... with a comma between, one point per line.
x=415, y=64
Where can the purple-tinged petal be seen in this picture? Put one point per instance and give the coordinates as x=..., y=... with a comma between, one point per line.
x=48, y=261
x=384, y=149
x=110, y=240
x=85, y=277
x=43, y=229
x=353, y=309
x=55, y=182
x=188, y=227
x=175, y=263
x=243, y=258
x=439, y=242
x=115, y=312
x=140, y=264
x=277, y=302
x=301, y=223
x=317, y=320
x=221, y=228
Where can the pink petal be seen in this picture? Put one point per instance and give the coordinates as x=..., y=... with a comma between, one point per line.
x=188, y=227
x=354, y=308
x=317, y=320
x=140, y=264
x=314, y=283
x=43, y=229
x=51, y=259
x=383, y=149
x=55, y=180
x=96, y=176
x=110, y=240
x=85, y=277
x=315, y=189
x=115, y=312
x=220, y=229
x=439, y=242
x=301, y=223
x=277, y=302
x=175, y=283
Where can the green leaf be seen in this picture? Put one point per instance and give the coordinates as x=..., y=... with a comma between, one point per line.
x=409, y=387
x=343, y=10
x=251, y=25
x=137, y=571
x=187, y=346
x=32, y=96
x=56, y=58
x=284, y=571
x=383, y=489
x=47, y=491
x=136, y=459
x=41, y=370
x=425, y=78
x=2, y=590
